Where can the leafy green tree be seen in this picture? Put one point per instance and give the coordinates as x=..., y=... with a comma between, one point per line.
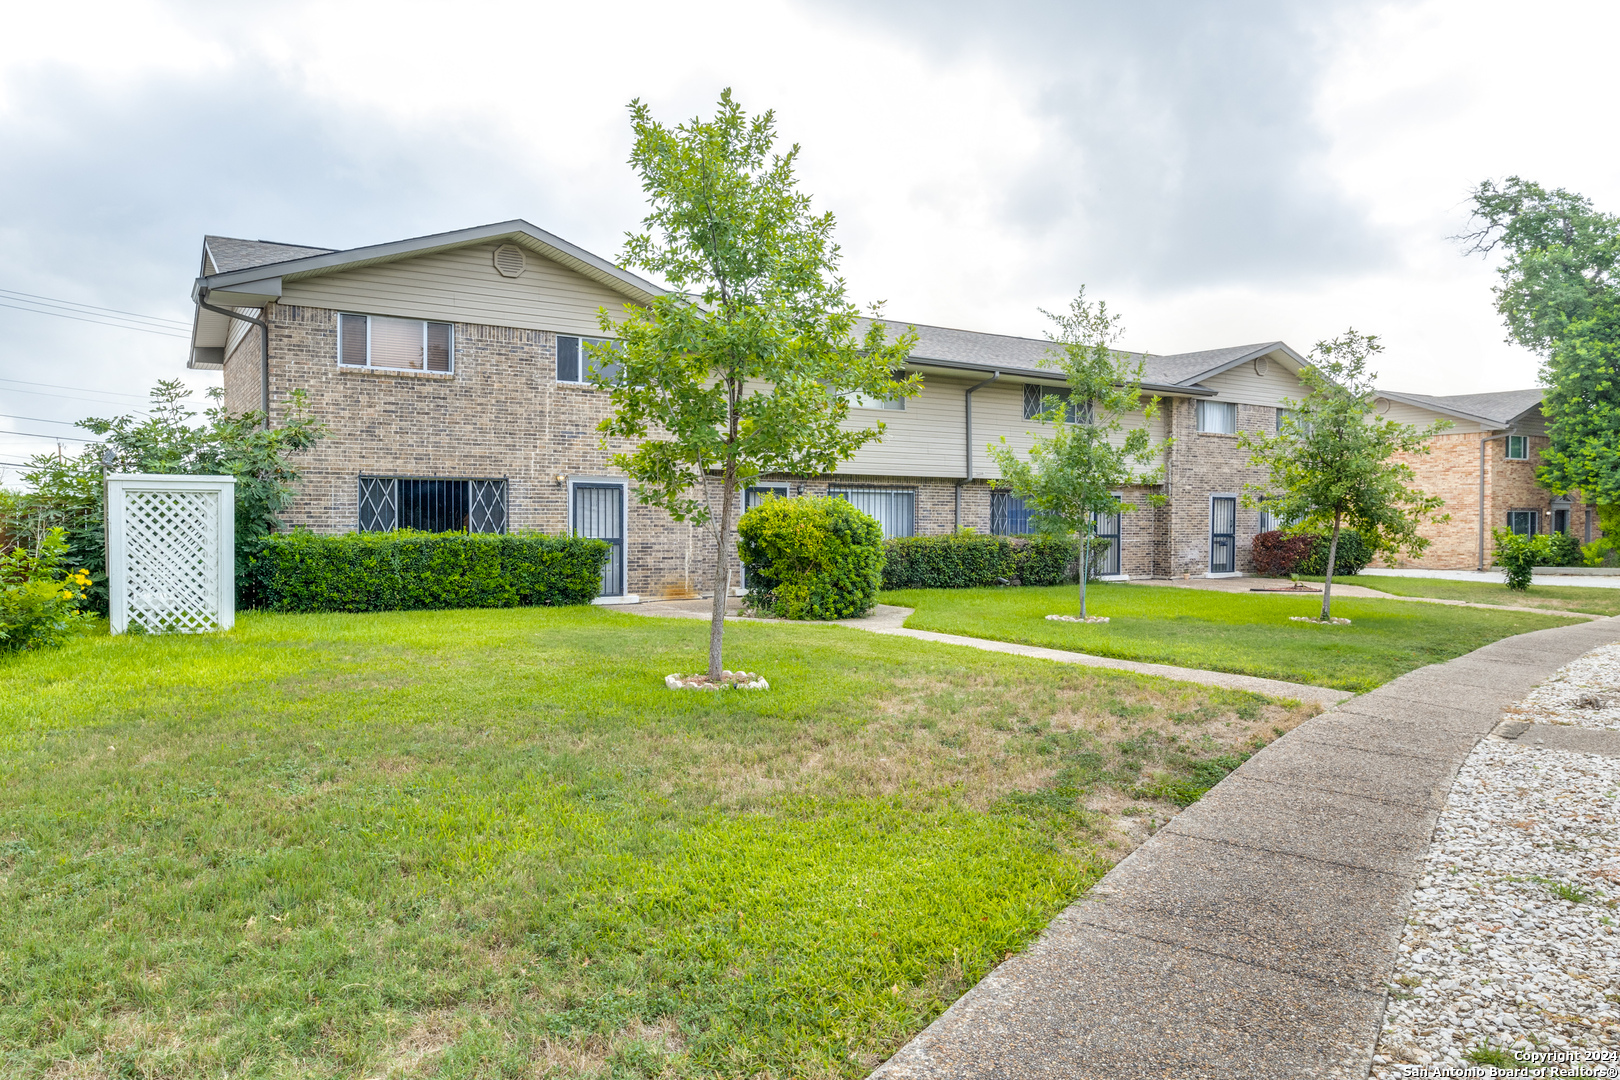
x=67, y=493
x=745, y=365
x=1081, y=459
x=1558, y=295
x=1333, y=460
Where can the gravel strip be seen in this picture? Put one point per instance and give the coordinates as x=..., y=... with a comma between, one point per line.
x=1585, y=693
x=1513, y=941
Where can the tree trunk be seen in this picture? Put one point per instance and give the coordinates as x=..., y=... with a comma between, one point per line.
x=722, y=572
x=1327, y=582
x=1085, y=567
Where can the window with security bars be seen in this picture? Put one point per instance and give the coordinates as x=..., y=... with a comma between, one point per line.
x=1036, y=399
x=894, y=509
x=1009, y=515
x=380, y=341
x=430, y=504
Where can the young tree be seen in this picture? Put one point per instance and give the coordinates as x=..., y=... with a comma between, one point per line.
x=745, y=366
x=1332, y=461
x=1560, y=297
x=1080, y=461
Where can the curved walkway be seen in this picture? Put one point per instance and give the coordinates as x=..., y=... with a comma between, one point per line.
x=1254, y=934
x=889, y=619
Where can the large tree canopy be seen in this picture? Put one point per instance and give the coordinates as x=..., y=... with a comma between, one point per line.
x=746, y=366
x=1559, y=296
x=1333, y=463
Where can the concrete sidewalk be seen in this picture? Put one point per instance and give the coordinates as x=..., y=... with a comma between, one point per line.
x=1253, y=935
x=889, y=619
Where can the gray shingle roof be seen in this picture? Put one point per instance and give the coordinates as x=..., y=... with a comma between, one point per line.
x=1498, y=408
x=1034, y=354
x=229, y=253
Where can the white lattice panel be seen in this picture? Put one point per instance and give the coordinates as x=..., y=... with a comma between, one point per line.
x=171, y=553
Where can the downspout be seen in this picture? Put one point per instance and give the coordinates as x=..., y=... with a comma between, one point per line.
x=1482, y=441
x=968, y=413
x=264, y=349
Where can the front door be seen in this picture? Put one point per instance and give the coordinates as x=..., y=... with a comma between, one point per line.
x=599, y=514
x=1107, y=528
x=1223, y=535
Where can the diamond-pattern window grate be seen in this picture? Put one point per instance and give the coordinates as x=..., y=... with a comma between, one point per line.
x=488, y=501
x=171, y=561
x=379, y=504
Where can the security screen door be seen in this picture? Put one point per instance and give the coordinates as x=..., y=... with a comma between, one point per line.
x=1223, y=535
x=1106, y=527
x=599, y=514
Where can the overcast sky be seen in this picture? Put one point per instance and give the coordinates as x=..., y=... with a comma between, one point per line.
x=1221, y=174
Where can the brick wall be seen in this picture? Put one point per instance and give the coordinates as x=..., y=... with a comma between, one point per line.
x=1451, y=471
x=1204, y=464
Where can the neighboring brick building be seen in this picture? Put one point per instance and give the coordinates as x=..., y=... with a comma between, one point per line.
x=1484, y=466
x=449, y=370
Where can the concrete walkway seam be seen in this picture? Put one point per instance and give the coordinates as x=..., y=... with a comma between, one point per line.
x=1255, y=933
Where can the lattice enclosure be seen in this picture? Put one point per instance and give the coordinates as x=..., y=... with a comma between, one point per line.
x=171, y=553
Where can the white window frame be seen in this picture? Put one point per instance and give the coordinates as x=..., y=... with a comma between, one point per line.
x=858, y=400
x=1201, y=406
x=450, y=333
x=1524, y=448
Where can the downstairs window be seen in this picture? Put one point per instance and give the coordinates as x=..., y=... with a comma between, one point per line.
x=430, y=504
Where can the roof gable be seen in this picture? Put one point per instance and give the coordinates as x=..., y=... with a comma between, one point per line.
x=1498, y=409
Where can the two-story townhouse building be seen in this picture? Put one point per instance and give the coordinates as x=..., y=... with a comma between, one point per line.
x=1484, y=467
x=451, y=372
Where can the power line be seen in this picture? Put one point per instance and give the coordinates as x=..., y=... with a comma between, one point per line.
x=59, y=386
x=95, y=322
x=39, y=435
x=55, y=302
x=39, y=419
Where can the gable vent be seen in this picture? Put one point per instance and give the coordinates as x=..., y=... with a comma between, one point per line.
x=1261, y=365
x=509, y=260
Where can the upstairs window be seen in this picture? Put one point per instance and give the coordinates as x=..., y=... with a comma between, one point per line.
x=1518, y=448
x=1217, y=417
x=380, y=341
x=1036, y=399
x=574, y=362
x=867, y=401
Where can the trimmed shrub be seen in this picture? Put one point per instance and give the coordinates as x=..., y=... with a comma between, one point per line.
x=1278, y=553
x=411, y=571
x=1517, y=555
x=971, y=560
x=1353, y=555
x=40, y=597
x=1564, y=550
x=1600, y=552
x=811, y=558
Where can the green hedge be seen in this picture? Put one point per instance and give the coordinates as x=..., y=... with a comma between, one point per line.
x=811, y=558
x=409, y=571
x=967, y=560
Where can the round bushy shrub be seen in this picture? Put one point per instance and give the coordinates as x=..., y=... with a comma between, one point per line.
x=811, y=558
x=1278, y=554
x=1353, y=555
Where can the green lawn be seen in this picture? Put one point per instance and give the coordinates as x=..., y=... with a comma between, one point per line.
x=492, y=844
x=1246, y=633
x=1553, y=597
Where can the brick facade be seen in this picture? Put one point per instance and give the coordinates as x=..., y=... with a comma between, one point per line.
x=503, y=414
x=1451, y=470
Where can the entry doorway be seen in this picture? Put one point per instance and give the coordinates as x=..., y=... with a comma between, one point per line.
x=598, y=513
x=1223, y=534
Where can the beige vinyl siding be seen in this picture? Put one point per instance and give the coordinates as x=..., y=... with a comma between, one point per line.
x=923, y=439
x=1418, y=417
x=1242, y=385
x=998, y=410
x=462, y=286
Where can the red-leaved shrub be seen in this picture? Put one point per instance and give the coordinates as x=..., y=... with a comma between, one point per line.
x=1277, y=554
